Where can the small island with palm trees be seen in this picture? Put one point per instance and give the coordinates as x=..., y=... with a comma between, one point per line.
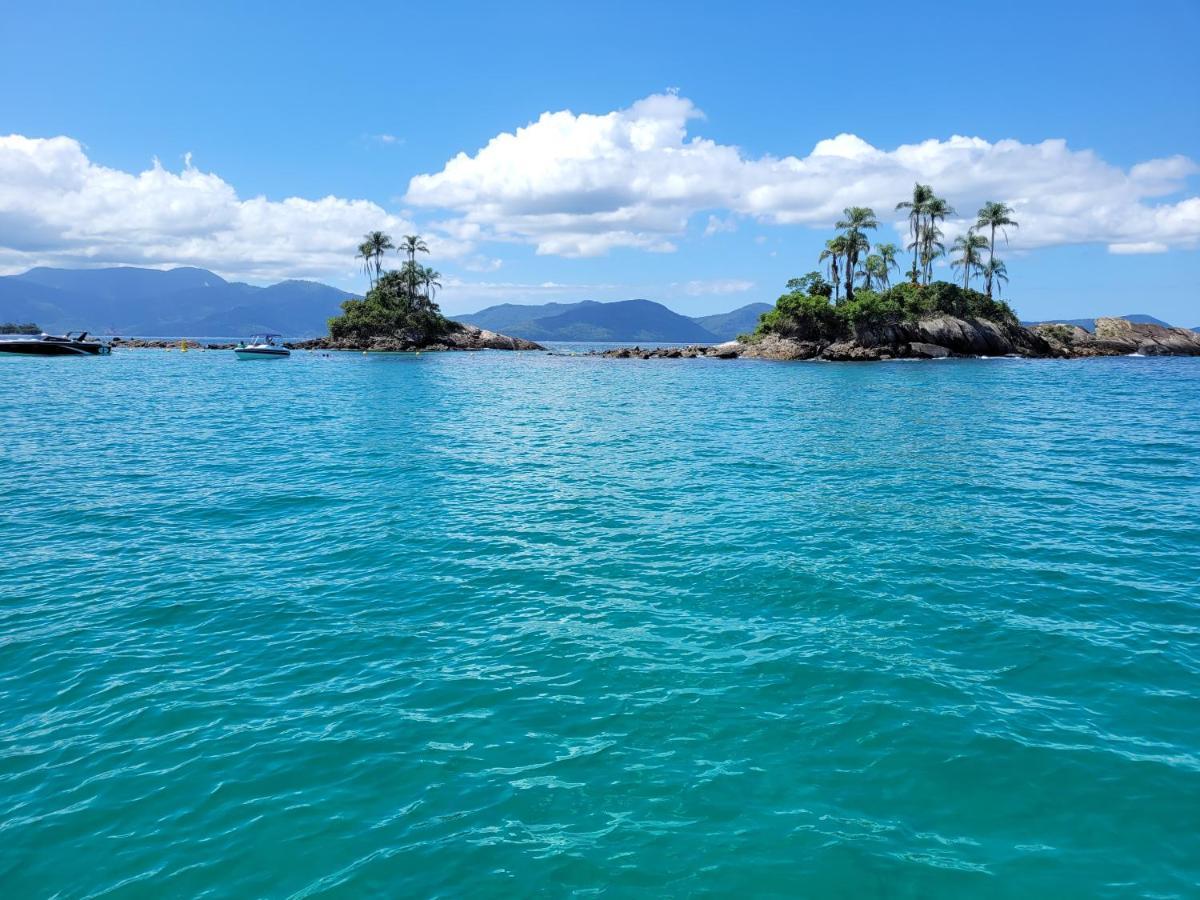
x=399, y=312
x=849, y=310
x=872, y=318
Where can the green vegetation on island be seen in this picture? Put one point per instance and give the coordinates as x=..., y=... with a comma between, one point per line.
x=816, y=308
x=19, y=328
x=400, y=303
x=807, y=312
x=399, y=312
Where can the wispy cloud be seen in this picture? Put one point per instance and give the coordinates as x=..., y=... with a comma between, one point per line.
x=716, y=225
x=482, y=264
x=720, y=286
x=386, y=140
x=1138, y=247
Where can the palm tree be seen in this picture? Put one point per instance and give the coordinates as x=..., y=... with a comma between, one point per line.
x=857, y=219
x=379, y=243
x=887, y=254
x=930, y=247
x=995, y=215
x=921, y=195
x=994, y=269
x=856, y=245
x=834, y=250
x=935, y=211
x=367, y=254
x=412, y=245
x=873, y=269
x=429, y=278
x=968, y=248
x=410, y=274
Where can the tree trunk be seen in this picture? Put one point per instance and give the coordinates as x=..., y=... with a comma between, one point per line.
x=916, y=243
x=991, y=257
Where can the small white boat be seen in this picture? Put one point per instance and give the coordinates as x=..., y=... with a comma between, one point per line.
x=261, y=346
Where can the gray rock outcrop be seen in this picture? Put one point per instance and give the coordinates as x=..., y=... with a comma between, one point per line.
x=1120, y=337
x=464, y=337
x=941, y=336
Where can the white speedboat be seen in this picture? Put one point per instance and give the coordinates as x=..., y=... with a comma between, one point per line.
x=261, y=346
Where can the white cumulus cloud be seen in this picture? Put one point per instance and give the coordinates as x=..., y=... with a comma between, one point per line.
x=57, y=207
x=582, y=184
x=576, y=184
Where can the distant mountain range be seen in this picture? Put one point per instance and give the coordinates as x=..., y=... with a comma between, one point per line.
x=622, y=320
x=195, y=302
x=174, y=302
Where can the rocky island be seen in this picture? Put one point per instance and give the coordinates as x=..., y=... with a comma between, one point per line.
x=453, y=336
x=920, y=321
x=399, y=314
x=947, y=336
x=919, y=318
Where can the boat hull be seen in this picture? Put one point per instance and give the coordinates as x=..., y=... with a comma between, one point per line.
x=262, y=352
x=52, y=348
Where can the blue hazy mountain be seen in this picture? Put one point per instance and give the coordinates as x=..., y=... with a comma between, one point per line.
x=591, y=320
x=1090, y=324
x=172, y=302
x=505, y=316
x=728, y=326
x=622, y=320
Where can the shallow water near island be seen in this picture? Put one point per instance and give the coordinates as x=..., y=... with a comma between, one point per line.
x=500, y=624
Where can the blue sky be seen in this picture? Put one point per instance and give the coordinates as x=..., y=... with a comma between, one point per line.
x=611, y=198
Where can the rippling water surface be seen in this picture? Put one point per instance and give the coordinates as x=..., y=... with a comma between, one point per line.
x=516, y=624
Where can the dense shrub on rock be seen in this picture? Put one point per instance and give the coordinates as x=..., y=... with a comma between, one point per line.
x=391, y=309
x=815, y=317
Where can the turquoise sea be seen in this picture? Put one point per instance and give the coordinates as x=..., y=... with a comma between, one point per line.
x=521, y=625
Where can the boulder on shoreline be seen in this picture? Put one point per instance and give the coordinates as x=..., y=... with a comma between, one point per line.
x=1120, y=337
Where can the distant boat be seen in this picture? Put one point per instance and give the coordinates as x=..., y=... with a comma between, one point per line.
x=261, y=346
x=73, y=343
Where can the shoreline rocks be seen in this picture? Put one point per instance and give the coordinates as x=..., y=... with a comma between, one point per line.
x=937, y=337
x=164, y=344
x=1120, y=337
x=941, y=337
x=465, y=337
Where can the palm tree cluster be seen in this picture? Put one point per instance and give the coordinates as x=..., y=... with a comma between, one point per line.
x=925, y=210
x=400, y=303
x=421, y=281
x=850, y=259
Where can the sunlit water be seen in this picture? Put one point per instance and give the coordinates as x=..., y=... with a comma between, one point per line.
x=518, y=624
